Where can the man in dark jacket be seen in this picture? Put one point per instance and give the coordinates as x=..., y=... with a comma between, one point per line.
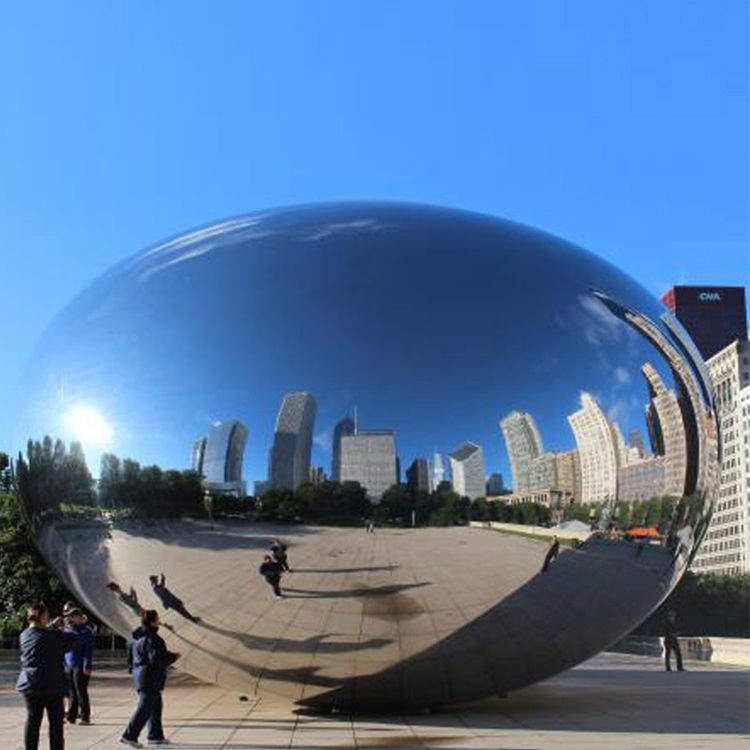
x=148, y=660
x=78, y=664
x=271, y=571
x=671, y=642
x=42, y=677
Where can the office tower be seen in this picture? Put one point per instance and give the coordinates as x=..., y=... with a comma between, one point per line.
x=198, y=456
x=292, y=441
x=317, y=475
x=418, y=475
x=438, y=470
x=568, y=474
x=541, y=473
x=495, y=484
x=343, y=427
x=370, y=459
x=523, y=443
x=713, y=316
x=726, y=546
x=467, y=470
x=641, y=479
x=635, y=442
x=597, y=452
x=666, y=431
x=222, y=457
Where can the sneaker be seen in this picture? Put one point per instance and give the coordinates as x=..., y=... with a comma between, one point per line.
x=131, y=743
x=162, y=741
x=86, y=722
x=70, y=720
x=278, y=596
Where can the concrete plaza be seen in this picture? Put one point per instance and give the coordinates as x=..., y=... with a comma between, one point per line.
x=612, y=701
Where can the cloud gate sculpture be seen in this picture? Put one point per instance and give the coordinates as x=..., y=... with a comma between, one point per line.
x=350, y=379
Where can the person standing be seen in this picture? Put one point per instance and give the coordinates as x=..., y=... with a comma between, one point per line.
x=148, y=660
x=278, y=552
x=671, y=642
x=42, y=678
x=271, y=570
x=78, y=664
x=552, y=552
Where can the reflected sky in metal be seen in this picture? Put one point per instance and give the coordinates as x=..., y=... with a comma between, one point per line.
x=433, y=323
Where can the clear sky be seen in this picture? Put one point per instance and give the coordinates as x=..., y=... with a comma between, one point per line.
x=621, y=126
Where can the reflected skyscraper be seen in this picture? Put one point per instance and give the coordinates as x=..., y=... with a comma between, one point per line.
x=524, y=443
x=345, y=426
x=222, y=457
x=597, y=452
x=467, y=470
x=292, y=442
x=438, y=470
x=369, y=458
x=418, y=475
x=197, y=456
x=495, y=484
x=666, y=431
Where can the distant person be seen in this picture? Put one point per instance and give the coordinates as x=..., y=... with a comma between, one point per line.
x=42, y=677
x=370, y=527
x=78, y=666
x=552, y=552
x=271, y=570
x=671, y=642
x=170, y=600
x=278, y=552
x=148, y=660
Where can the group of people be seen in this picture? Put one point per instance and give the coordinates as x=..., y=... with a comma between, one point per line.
x=274, y=565
x=57, y=661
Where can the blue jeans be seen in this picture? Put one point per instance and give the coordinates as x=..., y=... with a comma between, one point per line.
x=148, y=710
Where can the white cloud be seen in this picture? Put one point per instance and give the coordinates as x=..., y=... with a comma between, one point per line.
x=336, y=227
x=324, y=440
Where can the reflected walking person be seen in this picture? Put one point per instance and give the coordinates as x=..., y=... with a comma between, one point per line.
x=148, y=660
x=42, y=678
x=552, y=552
x=278, y=552
x=271, y=570
x=671, y=642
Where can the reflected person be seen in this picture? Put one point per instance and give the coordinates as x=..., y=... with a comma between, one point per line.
x=42, y=677
x=552, y=552
x=271, y=570
x=148, y=660
x=278, y=552
x=170, y=600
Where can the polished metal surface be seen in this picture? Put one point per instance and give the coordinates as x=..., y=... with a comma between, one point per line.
x=358, y=338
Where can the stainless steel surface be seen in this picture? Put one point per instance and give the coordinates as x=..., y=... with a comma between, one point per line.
x=428, y=327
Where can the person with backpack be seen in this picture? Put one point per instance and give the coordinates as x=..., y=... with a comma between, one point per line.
x=148, y=660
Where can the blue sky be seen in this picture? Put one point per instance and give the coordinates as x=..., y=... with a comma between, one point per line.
x=621, y=126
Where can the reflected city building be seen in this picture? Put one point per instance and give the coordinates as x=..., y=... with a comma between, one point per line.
x=323, y=300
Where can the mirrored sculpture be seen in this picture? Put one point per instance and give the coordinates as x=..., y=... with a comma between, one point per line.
x=360, y=381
